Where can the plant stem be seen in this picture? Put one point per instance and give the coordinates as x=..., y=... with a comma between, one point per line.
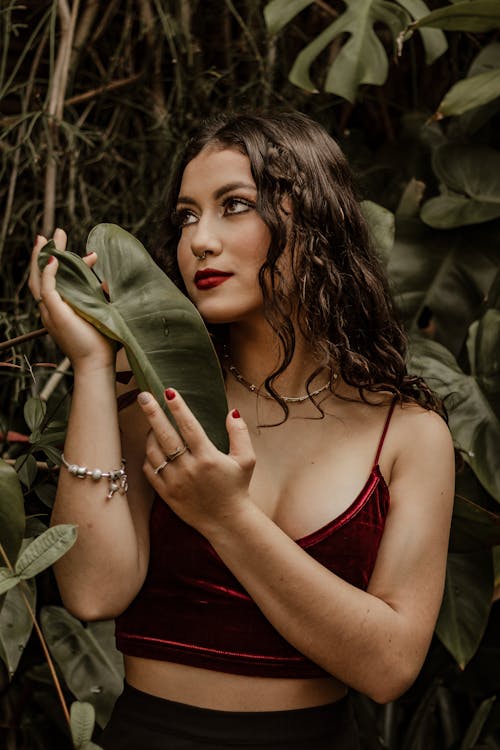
x=21, y=339
x=101, y=89
x=42, y=640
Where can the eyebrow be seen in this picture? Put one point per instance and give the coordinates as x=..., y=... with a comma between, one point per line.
x=219, y=192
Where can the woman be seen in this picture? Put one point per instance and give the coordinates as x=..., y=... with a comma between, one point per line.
x=250, y=589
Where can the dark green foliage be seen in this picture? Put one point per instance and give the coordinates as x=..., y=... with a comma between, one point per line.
x=91, y=136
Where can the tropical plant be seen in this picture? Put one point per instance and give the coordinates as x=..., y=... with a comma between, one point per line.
x=92, y=109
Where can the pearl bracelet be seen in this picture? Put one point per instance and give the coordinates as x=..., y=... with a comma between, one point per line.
x=118, y=480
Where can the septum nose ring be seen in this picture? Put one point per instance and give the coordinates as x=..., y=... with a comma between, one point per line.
x=202, y=256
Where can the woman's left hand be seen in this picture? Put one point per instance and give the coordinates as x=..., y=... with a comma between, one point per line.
x=204, y=486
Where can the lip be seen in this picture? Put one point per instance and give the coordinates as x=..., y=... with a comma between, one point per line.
x=210, y=277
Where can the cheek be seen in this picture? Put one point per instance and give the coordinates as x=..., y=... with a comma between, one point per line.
x=183, y=260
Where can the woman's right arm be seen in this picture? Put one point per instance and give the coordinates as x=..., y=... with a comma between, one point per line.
x=106, y=567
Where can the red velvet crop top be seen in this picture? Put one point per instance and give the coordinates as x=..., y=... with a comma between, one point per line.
x=192, y=610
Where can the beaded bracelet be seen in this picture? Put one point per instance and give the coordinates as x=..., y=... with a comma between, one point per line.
x=118, y=480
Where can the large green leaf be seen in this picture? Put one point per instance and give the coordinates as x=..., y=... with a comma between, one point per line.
x=278, y=13
x=486, y=362
x=448, y=211
x=16, y=624
x=434, y=40
x=470, y=186
x=34, y=412
x=362, y=59
x=12, y=517
x=164, y=335
x=435, y=274
x=462, y=127
x=474, y=730
x=474, y=16
x=381, y=224
x=466, y=604
x=45, y=550
x=8, y=580
x=473, y=528
x=87, y=657
x=469, y=93
x=473, y=423
x=82, y=724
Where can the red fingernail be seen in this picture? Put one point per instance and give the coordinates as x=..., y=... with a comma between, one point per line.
x=169, y=394
x=52, y=257
x=235, y=414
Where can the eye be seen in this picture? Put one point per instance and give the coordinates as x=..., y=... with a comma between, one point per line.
x=183, y=217
x=235, y=205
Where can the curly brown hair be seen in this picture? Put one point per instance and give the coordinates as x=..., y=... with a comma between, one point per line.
x=345, y=309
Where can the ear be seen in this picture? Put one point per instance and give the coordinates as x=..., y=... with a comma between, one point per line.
x=286, y=206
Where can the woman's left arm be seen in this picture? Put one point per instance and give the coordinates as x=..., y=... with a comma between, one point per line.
x=376, y=640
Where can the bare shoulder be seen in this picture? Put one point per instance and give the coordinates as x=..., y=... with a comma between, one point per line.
x=416, y=430
x=423, y=456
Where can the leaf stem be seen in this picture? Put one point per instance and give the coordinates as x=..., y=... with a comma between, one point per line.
x=41, y=638
x=24, y=337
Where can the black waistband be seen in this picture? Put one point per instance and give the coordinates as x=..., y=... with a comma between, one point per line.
x=243, y=727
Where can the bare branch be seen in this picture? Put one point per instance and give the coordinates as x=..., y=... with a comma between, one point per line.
x=24, y=337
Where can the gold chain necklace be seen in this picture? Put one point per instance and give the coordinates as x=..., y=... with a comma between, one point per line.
x=287, y=399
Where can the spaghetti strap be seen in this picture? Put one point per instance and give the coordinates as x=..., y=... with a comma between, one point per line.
x=384, y=431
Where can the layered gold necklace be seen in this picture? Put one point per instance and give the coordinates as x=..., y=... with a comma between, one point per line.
x=287, y=399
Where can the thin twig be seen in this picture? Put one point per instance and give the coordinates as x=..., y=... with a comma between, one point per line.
x=21, y=133
x=41, y=637
x=107, y=87
x=324, y=6
x=55, y=110
x=24, y=337
x=55, y=379
x=83, y=29
x=155, y=45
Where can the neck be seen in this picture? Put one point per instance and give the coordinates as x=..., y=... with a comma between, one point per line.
x=255, y=352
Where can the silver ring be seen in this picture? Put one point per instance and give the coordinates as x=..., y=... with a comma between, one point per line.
x=160, y=467
x=170, y=457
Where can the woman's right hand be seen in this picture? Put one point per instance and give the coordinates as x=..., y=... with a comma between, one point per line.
x=78, y=339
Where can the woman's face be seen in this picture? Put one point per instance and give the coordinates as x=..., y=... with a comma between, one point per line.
x=224, y=241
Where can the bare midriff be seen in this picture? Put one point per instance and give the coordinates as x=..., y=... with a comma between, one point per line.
x=229, y=692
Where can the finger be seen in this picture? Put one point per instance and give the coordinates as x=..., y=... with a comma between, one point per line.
x=90, y=259
x=155, y=455
x=240, y=444
x=34, y=277
x=48, y=291
x=166, y=435
x=60, y=239
x=191, y=430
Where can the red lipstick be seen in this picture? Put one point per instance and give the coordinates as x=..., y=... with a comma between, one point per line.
x=210, y=277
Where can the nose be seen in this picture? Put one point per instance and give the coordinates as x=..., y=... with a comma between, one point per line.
x=205, y=239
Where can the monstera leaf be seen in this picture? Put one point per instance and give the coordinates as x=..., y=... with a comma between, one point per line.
x=165, y=338
x=362, y=58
